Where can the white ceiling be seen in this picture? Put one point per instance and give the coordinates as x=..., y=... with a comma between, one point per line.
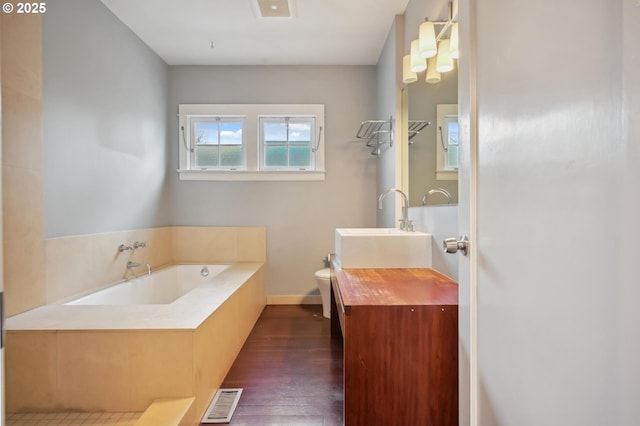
x=323, y=32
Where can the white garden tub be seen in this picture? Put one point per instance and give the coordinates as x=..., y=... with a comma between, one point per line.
x=175, y=297
x=162, y=287
x=172, y=334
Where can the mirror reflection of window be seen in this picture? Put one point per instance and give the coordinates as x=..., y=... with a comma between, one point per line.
x=451, y=138
x=447, y=142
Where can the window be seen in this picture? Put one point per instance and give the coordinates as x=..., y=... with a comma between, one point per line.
x=251, y=142
x=447, y=142
x=217, y=143
x=451, y=142
x=287, y=143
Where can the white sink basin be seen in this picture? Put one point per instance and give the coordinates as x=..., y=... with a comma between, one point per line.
x=382, y=248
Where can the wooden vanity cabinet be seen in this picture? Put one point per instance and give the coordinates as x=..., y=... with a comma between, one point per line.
x=400, y=340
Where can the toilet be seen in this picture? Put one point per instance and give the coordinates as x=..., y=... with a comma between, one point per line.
x=323, y=278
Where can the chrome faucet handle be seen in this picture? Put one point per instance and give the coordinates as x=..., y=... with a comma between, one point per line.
x=139, y=244
x=409, y=226
x=122, y=248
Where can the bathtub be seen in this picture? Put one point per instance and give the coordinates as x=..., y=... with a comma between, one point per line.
x=162, y=287
x=173, y=334
x=176, y=297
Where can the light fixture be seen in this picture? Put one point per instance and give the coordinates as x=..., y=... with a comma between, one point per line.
x=408, y=76
x=454, y=50
x=444, y=61
x=418, y=63
x=427, y=38
x=432, y=51
x=433, y=76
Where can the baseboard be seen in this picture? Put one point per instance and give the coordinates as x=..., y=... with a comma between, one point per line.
x=294, y=299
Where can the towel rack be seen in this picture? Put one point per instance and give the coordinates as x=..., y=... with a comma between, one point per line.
x=376, y=133
x=415, y=127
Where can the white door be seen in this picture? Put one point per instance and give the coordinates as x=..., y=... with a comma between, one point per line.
x=550, y=198
x=2, y=416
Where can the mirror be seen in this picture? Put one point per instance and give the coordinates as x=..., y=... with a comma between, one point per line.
x=425, y=180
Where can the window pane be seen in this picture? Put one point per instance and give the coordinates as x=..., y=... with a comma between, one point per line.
x=300, y=131
x=231, y=156
x=275, y=156
x=451, y=154
x=275, y=131
x=452, y=157
x=206, y=133
x=230, y=133
x=300, y=156
x=206, y=156
x=452, y=133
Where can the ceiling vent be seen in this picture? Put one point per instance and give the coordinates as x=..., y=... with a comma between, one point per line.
x=273, y=8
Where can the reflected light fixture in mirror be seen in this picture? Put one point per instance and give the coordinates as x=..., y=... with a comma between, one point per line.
x=427, y=40
x=418, y=63
x=444, y=61
x=429, y=45
x=408, y=76
x=433, y=76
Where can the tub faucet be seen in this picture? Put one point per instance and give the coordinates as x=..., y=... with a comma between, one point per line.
x=437, y=191
x=405, y=223
x=137, y=265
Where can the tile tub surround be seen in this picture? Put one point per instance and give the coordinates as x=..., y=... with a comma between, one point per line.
x=121, y=358
x=82, y=264
x=22, y=162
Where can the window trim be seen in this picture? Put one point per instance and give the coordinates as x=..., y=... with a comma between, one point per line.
x=252, y=170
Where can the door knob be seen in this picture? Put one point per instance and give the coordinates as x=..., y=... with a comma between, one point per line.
x=451, y=245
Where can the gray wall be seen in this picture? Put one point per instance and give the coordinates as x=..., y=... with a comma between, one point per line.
x=300, y=216
x=105, y=117
x=111, y=144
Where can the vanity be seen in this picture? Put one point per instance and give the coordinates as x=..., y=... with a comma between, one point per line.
x=399, y=329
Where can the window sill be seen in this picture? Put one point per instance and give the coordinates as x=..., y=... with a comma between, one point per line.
x=446, y=175
x=244, y=175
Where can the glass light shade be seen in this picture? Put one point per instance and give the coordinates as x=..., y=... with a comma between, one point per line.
x=418, y=63
x=433, y=76
x=408, y=76
x=454, y=50
x=444, y=61
x=427, y=38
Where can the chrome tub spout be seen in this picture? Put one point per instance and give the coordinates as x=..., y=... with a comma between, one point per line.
x=131, y=265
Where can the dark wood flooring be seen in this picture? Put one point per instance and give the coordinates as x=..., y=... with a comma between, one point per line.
x=290, y=370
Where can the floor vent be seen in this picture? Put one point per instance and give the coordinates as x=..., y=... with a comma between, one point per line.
x=222, y=407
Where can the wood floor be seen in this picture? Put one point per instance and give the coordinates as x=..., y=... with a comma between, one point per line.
x=290, y=370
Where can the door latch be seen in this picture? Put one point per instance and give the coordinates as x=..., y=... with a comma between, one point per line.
x=452, y=245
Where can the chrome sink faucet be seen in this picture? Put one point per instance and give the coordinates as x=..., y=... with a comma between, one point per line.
x=405, y=223
x=131, y=265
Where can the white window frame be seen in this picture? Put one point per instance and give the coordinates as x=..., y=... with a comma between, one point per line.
x=190, y=133
x=444, y=112
x=252, y=170
x=263, y=146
